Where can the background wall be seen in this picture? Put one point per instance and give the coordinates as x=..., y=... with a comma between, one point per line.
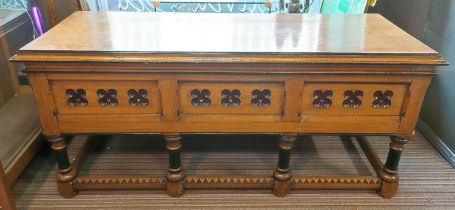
x=433, y=22
x=439, y=107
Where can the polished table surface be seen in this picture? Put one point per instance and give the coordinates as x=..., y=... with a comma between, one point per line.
x=245, y=34
x=173, y=73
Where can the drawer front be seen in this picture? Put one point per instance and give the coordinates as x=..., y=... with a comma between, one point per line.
x=353, y=99
x=232, y=98
x=106, y=97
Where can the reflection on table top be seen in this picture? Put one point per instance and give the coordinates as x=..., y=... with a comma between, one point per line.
x=227, y=33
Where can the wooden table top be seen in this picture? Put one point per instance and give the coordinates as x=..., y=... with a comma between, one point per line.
x=189, y=37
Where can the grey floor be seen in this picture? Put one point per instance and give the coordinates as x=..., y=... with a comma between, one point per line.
x=427, y=180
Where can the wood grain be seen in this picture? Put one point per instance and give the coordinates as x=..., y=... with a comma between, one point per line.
x=45, y=102
x=61, y=99
x=245, y=107
x=415, y=97
x=169, y=101
x=127, y=123
x=293, y=92
x=273, y=33
x=366, y=108
x=278, y=38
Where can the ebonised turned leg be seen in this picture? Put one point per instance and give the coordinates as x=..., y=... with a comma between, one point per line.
x=389, y=174
x=65, y=173
x=175, y=174
x=282, y=174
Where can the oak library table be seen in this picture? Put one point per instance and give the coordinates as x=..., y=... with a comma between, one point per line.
x=177, y=73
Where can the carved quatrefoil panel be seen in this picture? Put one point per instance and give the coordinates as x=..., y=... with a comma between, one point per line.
x=230, y=98
x=352, y=99
x=322, y=99
x=200, y=97
x=138, y=97
x=261, y=98
x=107, y=97
x=382, y=99
x=77, y=97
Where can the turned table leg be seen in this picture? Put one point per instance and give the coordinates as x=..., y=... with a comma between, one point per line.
x=175, y=174
x=282, y=174
x=389, y=173
x=65, y=173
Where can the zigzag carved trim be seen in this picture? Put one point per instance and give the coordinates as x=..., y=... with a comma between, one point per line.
x=120, y=181
x=342, y=182
x=298, y=182
x=229, y=180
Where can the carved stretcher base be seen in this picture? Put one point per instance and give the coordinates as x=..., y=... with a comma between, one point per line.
x=385, y=183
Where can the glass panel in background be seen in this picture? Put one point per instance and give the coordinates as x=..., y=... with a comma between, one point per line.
x=344, y=6
x=14, y=4
x=201, y=6
x=230, y=6
x=17, y=27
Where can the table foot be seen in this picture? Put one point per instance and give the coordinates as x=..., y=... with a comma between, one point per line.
x=389, y=173
x=65, y=173
x=175, y=173
x=281, y=186
x=388, y=189
x=282, y=173
x=66, y=190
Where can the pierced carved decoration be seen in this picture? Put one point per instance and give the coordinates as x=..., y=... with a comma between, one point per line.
x=107, y=97
x=382, y=99
x=230, y=98
x=352, y=99
x=200, y=97
x=77, y=97
x=261, y=97
x=322, y=99
x=138, y=97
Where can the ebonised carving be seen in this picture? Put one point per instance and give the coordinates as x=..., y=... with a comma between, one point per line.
x=261, y=97
x=352, y=99
x=230, y=98
x=138, y=97
x=382, y=99
x=77, y=97
x=322, y=99
x=107, y=97
x=200, y=97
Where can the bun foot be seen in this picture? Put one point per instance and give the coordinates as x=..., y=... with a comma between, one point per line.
x=175, y=189
x=66, y=190
x=281, y=189
x=388, y=189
